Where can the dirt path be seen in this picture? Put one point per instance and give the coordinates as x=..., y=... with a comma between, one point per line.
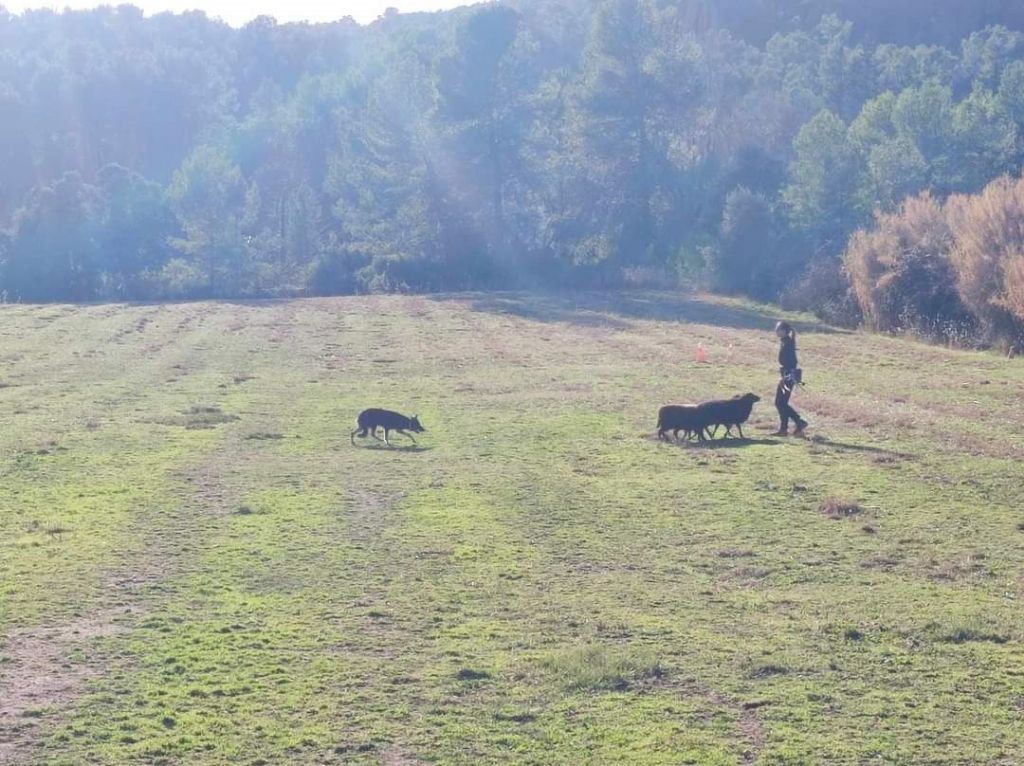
x=45, y=669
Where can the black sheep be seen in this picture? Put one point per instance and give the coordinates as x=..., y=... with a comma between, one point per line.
x=680, y=417
x=727, y=413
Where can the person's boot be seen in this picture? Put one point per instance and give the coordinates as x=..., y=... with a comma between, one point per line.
x=801, y=425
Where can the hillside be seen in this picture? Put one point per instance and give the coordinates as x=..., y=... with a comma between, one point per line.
x=197, y=567
x=730, y=145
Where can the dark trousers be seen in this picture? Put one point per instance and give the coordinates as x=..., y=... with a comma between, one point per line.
x=786, y=413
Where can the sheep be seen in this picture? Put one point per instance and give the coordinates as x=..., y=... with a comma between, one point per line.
x=680, y=417
x=727, y=412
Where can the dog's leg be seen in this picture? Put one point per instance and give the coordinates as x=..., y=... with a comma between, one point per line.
x=403, y=433
x=739, y=428
x=373, y=433
x=386, y=437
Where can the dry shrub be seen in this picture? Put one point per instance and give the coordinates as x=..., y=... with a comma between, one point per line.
x=1014, y=279
x=989, y=255
x=901, y=272
x=953, y=272
x=824, y=290
x=839, y=508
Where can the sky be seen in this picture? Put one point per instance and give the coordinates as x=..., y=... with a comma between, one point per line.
x=238, y=12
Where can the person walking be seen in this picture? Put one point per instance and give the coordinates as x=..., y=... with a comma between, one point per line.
x=789, y=376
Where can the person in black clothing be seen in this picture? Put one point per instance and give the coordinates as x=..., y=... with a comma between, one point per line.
x=789, y=376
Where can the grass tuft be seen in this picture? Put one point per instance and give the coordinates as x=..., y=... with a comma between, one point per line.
x=964, y=635
x=839, y=508
x=767, y=671
x=597, y=667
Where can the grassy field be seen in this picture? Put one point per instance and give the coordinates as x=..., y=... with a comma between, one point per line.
x=196, y=567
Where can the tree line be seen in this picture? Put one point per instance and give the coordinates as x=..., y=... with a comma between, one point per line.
x=736, y=144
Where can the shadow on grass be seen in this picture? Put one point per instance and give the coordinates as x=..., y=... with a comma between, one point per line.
x=714, y=444
x=614, y=310
x=821, y=441
x=395, y=448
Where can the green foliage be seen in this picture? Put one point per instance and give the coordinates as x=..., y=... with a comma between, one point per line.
x=894, y=169
x=55, y=244
x=822, y=177
x=213, y=204
x=924, y=115
x=535, y=142
x=986, y=53
x=901, y=67
x=747, y=245
x=1011, y=91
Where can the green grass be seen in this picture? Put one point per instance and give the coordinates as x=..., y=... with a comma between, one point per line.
x=204, y=571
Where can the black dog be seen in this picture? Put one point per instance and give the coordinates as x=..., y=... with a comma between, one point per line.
x=370, y=420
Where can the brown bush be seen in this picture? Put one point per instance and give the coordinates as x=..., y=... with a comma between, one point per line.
x=953, y=272
x=988, y=255
x=901, y=272
x=1014, y=280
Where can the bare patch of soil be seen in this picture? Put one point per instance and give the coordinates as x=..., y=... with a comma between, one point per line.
x=37, y=678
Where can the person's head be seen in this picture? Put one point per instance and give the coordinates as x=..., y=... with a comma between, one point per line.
x=784, y=329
